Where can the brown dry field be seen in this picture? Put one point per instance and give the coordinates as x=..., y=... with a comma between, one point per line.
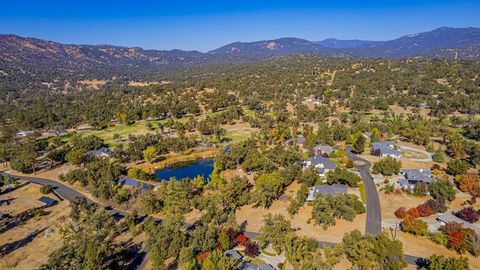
x=406, y=164
x=390, y=202
x=34, y=253
x=334, y=234
x=423, y=247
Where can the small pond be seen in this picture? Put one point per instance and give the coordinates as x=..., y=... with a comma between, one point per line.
x=203, y=167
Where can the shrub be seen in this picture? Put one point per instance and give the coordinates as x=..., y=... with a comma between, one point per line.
x=457, y=167
x=242, y=239
x=46, y=189
x=251, y=249
x=413, y=213
x=401, y=212
x=420, y=189
x=439, y=238
x=468, y=214
x=414, y=226
x=437, y=205
x=424, y=210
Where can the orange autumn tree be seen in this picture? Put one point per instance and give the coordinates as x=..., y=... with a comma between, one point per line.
x=468, y=182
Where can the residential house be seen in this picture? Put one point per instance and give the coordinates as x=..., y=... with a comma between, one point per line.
x=231, y=253
x=325, y=190
x=385, y=149
x=322, y=164
x=447, y=218
x=47, y=201
x=102, y=152
x=295, y=141
x=125, y=181
x=323, y=150
x=414, y=176
x=249, y=266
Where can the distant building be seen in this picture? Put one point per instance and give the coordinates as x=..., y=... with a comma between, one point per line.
x=47, y=201
x=385, y=149
x=322, y=164
x=325, y=190
x=412, y=177
x=323, y=150
x=125, y=181
x=102, y=152
x=295, y=141
x=24, y=133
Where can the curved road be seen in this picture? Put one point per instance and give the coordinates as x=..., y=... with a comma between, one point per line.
x=373, y=224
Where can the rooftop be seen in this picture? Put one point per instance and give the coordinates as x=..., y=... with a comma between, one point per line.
x=325, y=190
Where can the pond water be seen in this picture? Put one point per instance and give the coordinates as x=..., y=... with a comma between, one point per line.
x=203, y=167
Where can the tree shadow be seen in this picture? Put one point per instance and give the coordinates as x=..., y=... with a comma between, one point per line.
x=11, y=247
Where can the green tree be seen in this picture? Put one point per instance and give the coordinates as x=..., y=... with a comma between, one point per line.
x=268, y=187
x=150, y=153
x=439, y=262
x=273, y=232
x=387, y=166
x=442, y=188
x=359, y=145
x=457, y=167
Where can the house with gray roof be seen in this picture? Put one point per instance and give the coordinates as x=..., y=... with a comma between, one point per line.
x=296, y=141
x=231, y=253
x=414, y=176
x=385, y=149
x=126, y=181
x=249, y=266
x=325, y=190
x=322, y=164
x=102, y=152
x=323, y=150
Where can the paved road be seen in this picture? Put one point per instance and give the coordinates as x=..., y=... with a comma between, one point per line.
x=69, y=194
x=374, y=217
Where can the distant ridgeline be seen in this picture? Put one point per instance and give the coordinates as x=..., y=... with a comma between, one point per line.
x=26, y=60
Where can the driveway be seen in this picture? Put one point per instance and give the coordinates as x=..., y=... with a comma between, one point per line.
x=428, y=156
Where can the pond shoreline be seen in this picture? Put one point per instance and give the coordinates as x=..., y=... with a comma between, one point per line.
x=178, y=159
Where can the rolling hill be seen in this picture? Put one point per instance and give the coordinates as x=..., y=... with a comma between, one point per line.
x=31, y=59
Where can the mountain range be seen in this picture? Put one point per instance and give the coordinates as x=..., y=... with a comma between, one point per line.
x=39, y=59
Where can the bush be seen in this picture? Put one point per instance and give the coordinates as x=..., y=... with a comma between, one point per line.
x=437, y=205
x=251, y=249
x=424, y=210
x=457, y=167
x=413, y=212
x=414, y=226
x=439, y=238
x=47, y=189
x=468, y=214
x=420, y=189
x=401, y=212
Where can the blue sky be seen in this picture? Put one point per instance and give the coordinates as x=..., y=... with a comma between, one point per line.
x=206, y=25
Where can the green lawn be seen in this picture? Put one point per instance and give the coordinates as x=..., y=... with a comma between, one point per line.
x=140, y=127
